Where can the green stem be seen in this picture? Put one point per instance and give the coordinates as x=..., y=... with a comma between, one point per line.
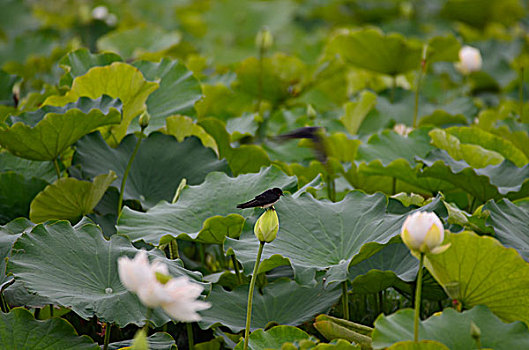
x=126, y=174
x=393, y=88
x=418, y=289
x=190, y=339
x=520, y=94
x=416, y=107
x=345, y=301
x=173, y=249
x=394, y=186
x=381, y=302
x=3, y=303
x=108, y=327
x=250, y=296
x=57, y=168
x=51, y=310
x=236, y=268
x=147, y=320
x=331, y=188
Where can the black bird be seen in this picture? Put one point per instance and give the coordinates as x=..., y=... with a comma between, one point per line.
x=313, y=133
x=264, y=200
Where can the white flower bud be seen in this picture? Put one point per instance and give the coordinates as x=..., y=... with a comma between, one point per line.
x=423, y=232
x=469, y=60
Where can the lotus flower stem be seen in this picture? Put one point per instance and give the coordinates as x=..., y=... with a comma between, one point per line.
x=51, y=310
x=393, y=88
x=108, y=327
x=57, y=168
x=418, y=290
x=345, y=301
x=3, y=303
x=236, y=268
x=190, y=340
x=173, y=249
x=520, y=94
x=127, y=170
x=250, y=296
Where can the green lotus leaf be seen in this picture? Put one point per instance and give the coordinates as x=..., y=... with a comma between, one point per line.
x=443, y=48
x=387, y=113
x=271, y=79
x=335, y=328
x=244, y=126
x=355, y=112
x=27, y=168
x=304, y=302
x=160, y=164
x=476, y=156
x=441, y=118
x=118, y=80
x=46, y=133
x=79, y=62
x=477, y=147
x=16, y=193
x=222, y=102
x=452, y=328
x=273, y=338
x=69, y=198
x=9, y=233
x=386, y=268
x=6, y=88
x=420, y=345
x=243, y=159
x=181, y=127
x=479, y=13
x=387, y=163
x=157, y=341
x=492, y=182
x=371, y=49
x=177, y=94
x=510, y=225
x=203, y=210
x=19, y=330
x=320, y=235
x=138, y=41
x=85, y=278
x=479, y=270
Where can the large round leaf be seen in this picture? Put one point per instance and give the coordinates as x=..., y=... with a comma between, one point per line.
x=159, y=166
x=79, y=62
x=118, y=80
x=383, y=53
x=492, y=182
x=9, y=233
x=16, y=193
x=19, y=330
x=452, y=328
x=206, y=212
x=46, y=133
x=76, y=267
x=178, y=92
x=479, y=270
x=69, y=198
x=319, y=235
x=510, y=223
x=284, y=302
x=28, y=168
x=273, y=338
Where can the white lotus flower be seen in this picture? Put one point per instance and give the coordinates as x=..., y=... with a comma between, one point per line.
x=100, y=12
x=423, y=232
x=155, y=288
x=183, y=304
x=469, y=60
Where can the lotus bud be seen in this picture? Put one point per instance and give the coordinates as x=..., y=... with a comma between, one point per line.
x=469, y=60
x=311, y=112
x=423, y=232
x=264, y=39
x=145, y=118
x=266, y=227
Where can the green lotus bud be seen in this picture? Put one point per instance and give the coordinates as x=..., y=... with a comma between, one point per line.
x=145, y=118
x=264, y=39
x=266, y=227
x=311, y=112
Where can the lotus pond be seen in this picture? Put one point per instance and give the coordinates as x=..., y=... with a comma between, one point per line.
x=397, y=131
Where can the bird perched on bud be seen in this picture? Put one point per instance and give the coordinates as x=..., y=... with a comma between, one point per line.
x=265, y=200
